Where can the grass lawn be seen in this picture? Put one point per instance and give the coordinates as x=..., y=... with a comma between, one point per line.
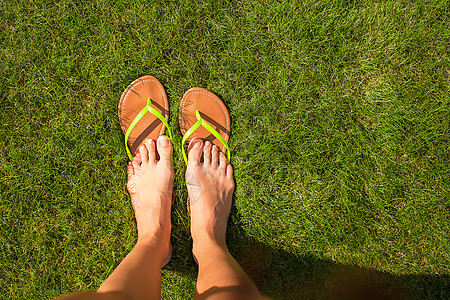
x=340, y=141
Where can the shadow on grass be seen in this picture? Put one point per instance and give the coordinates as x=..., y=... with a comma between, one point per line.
x=284, y=275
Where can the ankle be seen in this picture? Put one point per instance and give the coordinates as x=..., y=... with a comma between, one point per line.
x=206, y=245
x=157, y=242
x=154, y=232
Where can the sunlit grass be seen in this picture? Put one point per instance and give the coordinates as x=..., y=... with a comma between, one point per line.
x=340, y=140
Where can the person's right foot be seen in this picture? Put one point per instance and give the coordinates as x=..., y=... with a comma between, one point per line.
x=210, y=186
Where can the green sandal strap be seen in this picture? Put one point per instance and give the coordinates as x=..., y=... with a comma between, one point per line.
x=146, y=109
x=201, y=122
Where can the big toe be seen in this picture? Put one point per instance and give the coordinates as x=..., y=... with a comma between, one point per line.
x=195, y=151
x=164, y=149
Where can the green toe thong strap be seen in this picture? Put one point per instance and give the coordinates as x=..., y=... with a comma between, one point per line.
x=201, y=122
x=146, y=109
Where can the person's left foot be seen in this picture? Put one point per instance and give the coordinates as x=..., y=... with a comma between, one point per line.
x=150, y=184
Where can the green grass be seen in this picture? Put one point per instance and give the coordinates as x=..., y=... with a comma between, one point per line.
x=340, y=141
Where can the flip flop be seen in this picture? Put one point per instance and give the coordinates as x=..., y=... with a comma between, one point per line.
x=203, y=115
x=143, y=113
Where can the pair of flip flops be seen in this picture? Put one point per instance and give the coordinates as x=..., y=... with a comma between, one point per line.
x=144, y=114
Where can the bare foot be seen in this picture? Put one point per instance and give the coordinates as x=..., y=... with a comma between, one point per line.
x=210, y=186
x=150, y=184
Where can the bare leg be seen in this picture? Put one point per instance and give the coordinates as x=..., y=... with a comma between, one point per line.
x=210, y=187
x=150, y=183
x=150, y=186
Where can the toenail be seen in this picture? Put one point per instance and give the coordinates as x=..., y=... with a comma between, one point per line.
x=142, y=148
x=149, y=142
x=207, y=143
x=197, y=144
x=163, y=140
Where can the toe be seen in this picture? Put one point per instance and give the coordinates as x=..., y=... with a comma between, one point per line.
x=136, y=162
x=138, y=158
x=144, y=155
x=229, y=172
x=215, y=156
x=195, y=151
x=151, y=151
x=164, y=149
x=222, y=161
x=207, y=153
